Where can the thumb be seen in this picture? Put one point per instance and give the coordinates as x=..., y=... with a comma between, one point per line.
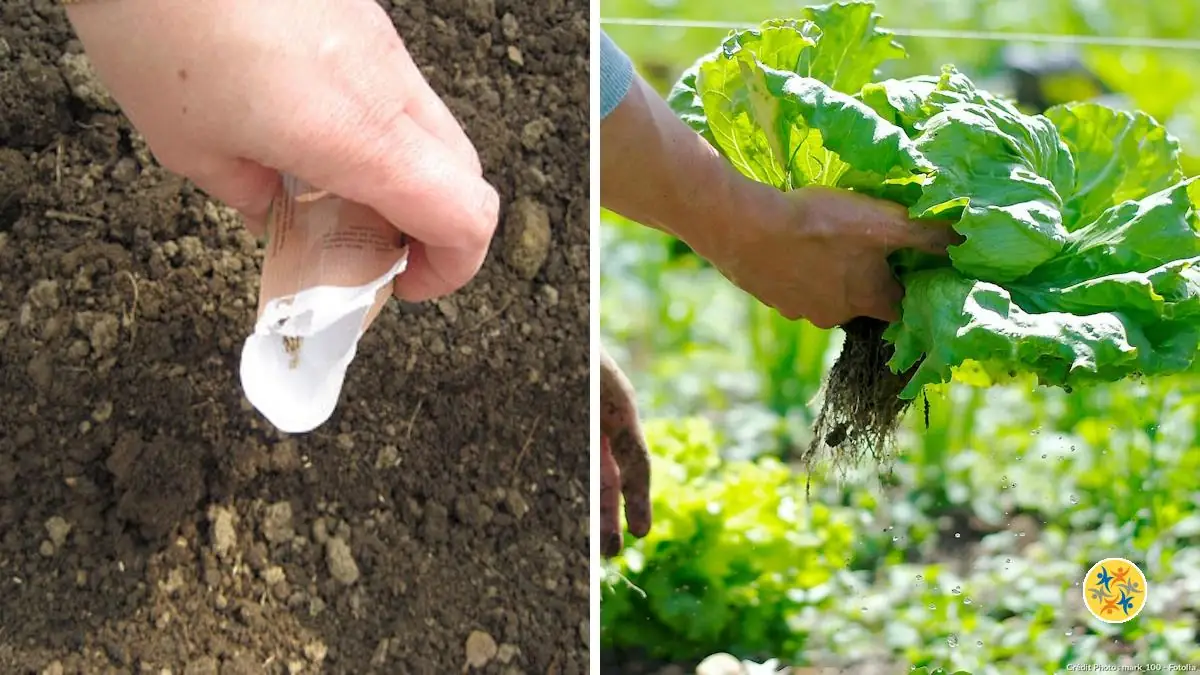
x=930, y=236
x=243, y=185
x=414, y=181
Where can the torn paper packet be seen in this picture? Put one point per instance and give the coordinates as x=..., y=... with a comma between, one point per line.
x=327, y=273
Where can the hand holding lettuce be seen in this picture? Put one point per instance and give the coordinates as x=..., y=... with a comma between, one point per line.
x=1080, y=261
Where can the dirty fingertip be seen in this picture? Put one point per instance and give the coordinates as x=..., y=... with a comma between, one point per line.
x=637, y=514
x=610, y=544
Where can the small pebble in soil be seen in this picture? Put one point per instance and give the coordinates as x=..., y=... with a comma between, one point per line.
x=58, y=528
x=388, y=457
x=526, y=241
x=515, y=504
x=316, y=651
x=341, y=561
x=509, y=27
x=81, y=77
x=224, y=536
x=481, y=649
x=507, y=652
x=277, y=523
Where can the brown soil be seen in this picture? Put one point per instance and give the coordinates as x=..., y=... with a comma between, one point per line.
x=150, y=522
x=861, y=406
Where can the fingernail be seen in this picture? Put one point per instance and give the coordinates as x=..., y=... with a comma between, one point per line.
x=611, y=544
x=638, y=515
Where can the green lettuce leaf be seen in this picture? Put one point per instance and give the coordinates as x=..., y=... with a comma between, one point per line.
x=1119, y=156
x=1008, y=186
x=849, y=49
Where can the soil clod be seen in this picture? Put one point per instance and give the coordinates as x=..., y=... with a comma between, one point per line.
x=861, y=406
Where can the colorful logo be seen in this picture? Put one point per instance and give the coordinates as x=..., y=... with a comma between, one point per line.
x=1114, y=590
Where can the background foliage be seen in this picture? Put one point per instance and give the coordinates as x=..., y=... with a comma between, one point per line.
x=970, y=554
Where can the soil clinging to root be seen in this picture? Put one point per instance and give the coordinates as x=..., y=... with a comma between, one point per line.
x=861, y=406
x=152, y=522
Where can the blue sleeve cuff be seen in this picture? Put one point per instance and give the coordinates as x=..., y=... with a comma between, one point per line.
x=616, y=75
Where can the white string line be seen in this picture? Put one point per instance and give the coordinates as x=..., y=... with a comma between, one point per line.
x=994, y=36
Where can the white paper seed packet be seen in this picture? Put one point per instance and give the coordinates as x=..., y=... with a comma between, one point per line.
x=327, y=273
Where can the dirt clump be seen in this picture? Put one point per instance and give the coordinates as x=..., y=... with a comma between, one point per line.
x=151, y=521
x=860, y=400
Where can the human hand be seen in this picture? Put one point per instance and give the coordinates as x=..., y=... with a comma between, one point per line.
x=231, y=93
x=822, y=253
x=624, y=459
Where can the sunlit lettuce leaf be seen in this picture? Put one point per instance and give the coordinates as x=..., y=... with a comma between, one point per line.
x=783, y=44
x=816, y=135
x=685, y=101
x=727, y=96
x=1122, y=299
x=849, y=49
x=776, y=43
x=909, y=103
x=1133, y=236
x=1006, y=171
x=1119, y=156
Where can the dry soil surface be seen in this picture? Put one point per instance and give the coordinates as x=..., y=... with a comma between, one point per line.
x=151, y=522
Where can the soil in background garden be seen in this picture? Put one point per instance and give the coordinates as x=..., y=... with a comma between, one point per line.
x=151, y=522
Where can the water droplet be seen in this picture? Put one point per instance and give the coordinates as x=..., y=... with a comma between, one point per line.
x=895, y=538
x=979, y=643
x=952, y=640
x=1073, y=499
x=864, y=608
x=1020, y=534
x=1044, y=455
x=967, y=600
x=958, y=535
x=1035, y=432
x=1008, y=561
x=1072, y=448
x=920, y=577
x=1070, y=632
x=956, y=590
x=932, y=606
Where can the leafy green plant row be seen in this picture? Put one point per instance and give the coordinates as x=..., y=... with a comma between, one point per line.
x=739, y=561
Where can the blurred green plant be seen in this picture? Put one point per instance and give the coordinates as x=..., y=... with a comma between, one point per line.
x=734, y=550
x=739, y=561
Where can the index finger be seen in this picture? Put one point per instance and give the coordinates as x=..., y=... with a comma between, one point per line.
x=610, y=502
